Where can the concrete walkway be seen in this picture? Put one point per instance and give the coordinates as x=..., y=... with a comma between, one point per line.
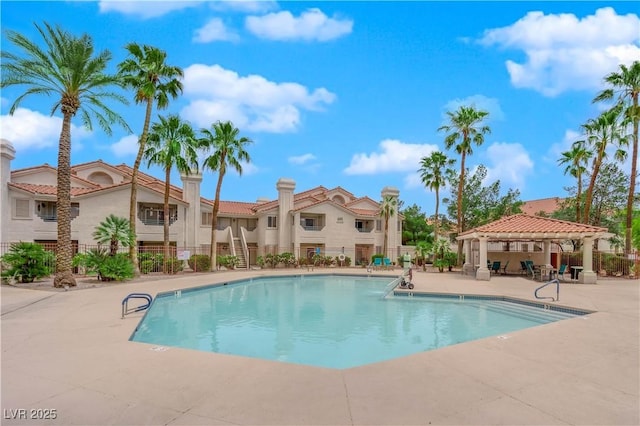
x=69, y=352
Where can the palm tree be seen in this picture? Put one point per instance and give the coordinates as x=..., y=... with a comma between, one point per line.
x=432, y=172
x=626, y=84
x=388, y=207
x=171, y=142
x=576, y=160
x=68, y=69
x=227, y=149
x=602, y=132
x=115, y=231
x=464, y=129
x=146, y=72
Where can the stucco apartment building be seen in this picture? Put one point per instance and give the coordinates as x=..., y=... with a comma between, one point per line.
x=318, y=220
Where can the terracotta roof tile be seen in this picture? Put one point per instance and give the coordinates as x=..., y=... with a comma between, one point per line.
x=233, y=207
x=545, y=205
x=47, y=189
x=523, y=224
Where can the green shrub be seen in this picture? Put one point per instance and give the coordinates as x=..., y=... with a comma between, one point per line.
x=377, y=256
x=199, y=262
x=345, y=262
x=174, y=265
x=271, y=260
x=232, y=262
x=117, y=267
x=27, y=261
x=288, y=259
x=146, y=266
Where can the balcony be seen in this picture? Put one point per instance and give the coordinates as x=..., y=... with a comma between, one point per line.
x=312, y=223
x=153, y=214
x=48, y=210
x=364, y=225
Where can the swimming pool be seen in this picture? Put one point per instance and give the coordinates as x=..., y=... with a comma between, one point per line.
x=334, y=321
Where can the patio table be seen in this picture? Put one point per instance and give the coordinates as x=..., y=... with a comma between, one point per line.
x=575, y=272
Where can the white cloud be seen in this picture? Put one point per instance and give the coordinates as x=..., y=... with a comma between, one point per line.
x=312, y=24
x=125, y=147
x=144, y=9
x=251, y=102
x=394, y=156
x=301, y=159
x=480, y=102
x=556, y=149
x=510, y=163
x=565, y=52
x=27, y=129
x=214, y=30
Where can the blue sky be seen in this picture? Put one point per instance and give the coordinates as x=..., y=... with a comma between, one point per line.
x=350, y=94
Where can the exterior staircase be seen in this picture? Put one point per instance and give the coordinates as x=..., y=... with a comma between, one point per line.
x=242, y=261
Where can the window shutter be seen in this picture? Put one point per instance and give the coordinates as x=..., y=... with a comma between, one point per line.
x=22, y=208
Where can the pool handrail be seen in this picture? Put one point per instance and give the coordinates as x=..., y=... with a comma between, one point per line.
x=125, y=303
x=553, y=281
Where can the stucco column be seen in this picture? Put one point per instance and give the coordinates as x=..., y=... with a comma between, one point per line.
x=587, y=276
x=7, y=153
x=483, y=272
x=546, y=245
x=467, y=267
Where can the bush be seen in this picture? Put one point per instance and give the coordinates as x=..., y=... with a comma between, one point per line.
x=271, y=260
x=174, y=265
x=288, y=259
x=377, y=256
x=27, y=261
x=199, y=262
x=146, y=266
x=153, y=261
x=345, y=262
x=117, y=267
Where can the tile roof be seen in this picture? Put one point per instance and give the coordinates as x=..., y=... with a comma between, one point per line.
x=530, y=226
x=234, y=207
x=545, y=205
x=47, y=189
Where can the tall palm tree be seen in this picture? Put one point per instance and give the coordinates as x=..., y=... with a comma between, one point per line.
x=388, y=207
x=576, y=160
x=626, y=84
x=464, y=129
x=227, y=148
x=68, y=69
x=153, y=81
x=603, y=132
x=115, y=231
x=172, y=142
x=433, y=174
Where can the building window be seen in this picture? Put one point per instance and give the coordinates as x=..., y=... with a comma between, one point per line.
x=272, y=222
x=378, y=249
x=48, y=210
x=22, y=209
x=340, y=220
x=206, y=218
x=378, y=225
x=399, y=226
x=153, y=214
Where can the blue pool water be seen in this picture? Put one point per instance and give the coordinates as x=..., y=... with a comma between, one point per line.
x=330, y=321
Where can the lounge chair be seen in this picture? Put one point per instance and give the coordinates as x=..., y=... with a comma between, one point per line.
x=386, y=262
x=561, y=271
x=523, y=267
x=377, y=263
x=504, y=268
x=532, y=272
x=495, y=267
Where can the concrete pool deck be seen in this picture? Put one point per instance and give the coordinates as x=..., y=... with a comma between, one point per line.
x=69, y=352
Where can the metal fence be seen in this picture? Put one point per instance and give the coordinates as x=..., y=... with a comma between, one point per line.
x=607, y=264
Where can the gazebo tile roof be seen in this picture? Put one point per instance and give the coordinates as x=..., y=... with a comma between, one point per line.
x=529, y=224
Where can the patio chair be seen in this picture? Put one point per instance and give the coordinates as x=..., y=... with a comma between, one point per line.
x=561, y=271
x=523, y=267
x=495, y=268
x=386, y=262
x=377, y=263
x=532, y=272
x=504, y=268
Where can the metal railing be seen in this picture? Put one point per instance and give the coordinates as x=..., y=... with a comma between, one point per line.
x=553, y=281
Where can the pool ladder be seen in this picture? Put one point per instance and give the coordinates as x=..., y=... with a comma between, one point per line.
x=126, y=310
x=553, y=281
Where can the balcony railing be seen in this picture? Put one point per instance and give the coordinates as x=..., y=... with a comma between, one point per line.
x=312, y=227
x=367, y=229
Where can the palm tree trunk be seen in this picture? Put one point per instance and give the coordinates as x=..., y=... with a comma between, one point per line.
x=632, y=180
x=578, y=197
x=437, y=226
x=133, y=203
x=592, y=184
x=167, y=220
x=214, y=220
x=64, y=274
x=460, y=190
x=386, y=235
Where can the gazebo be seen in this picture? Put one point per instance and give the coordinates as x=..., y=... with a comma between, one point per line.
x=525, y=227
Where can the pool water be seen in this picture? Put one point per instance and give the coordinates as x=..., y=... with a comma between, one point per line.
x=325, y=320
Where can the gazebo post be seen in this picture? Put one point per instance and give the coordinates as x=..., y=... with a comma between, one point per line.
x=546, y=244
x=467, y=267
x=483, y=272
x=587, y=275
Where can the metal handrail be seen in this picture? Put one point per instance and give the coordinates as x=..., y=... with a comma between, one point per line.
x=125, y=303
x=557, y=283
